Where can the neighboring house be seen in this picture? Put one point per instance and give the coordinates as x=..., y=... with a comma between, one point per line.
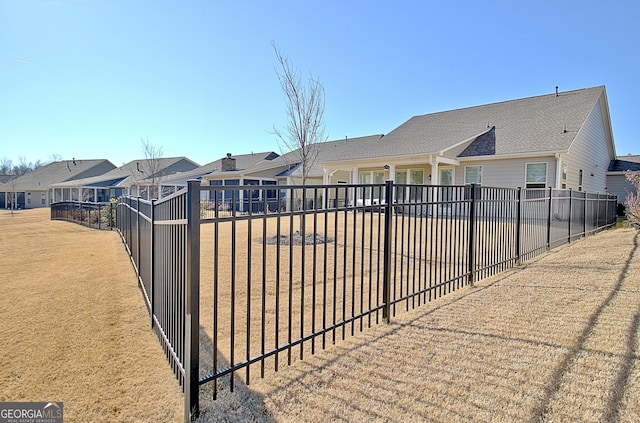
x=558, y=140
x=616, y=176
x=137, y=178
x=229, y=170
x=246, y=169
x=5, y=178
x=31, y=190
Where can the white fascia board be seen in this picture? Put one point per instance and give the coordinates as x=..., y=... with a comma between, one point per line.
x=512, y=156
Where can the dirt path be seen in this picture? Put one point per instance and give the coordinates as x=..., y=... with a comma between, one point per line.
x=74, y=327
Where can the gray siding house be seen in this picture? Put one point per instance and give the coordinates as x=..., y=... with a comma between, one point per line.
x=558, y=140
x=616, y=176
x=32, y=190
x=138, y=178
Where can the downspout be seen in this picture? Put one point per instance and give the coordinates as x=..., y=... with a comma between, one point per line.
x=558, y=171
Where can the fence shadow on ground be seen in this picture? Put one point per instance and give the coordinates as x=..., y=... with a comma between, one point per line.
x=241, y=405
x=624, y=372
x=453, y=353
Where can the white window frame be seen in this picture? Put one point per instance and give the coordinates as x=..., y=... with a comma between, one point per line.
x=479, y=182
x=563, y=176
x=546, y=175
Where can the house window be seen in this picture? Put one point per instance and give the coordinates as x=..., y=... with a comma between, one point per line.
x=371, y=194
x=473, y=174
x=536, y=175
x=28, y=198
x=43, y=199
x=270, y=193
x=564, y=176
x=212, y=195
x=580, y=174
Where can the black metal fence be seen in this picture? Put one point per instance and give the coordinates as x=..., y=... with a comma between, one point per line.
x=94, y=215
x=158, y=236
x=289, y=270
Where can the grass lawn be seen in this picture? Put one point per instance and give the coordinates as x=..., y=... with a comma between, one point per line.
x=556, y=339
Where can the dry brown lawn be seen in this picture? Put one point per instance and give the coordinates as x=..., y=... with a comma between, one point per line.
x=554, y=340
x=74, y=327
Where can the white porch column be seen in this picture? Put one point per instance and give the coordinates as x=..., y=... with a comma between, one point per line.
x=392, y=172
x=435, y=180
x=354, y=180
x=290, y=195
x=435, y=175
x=325, y=182
x=241, y=195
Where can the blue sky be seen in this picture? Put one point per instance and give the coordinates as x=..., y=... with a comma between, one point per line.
x=90, y=78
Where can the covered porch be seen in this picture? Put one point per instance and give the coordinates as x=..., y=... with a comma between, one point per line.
x=432, y=169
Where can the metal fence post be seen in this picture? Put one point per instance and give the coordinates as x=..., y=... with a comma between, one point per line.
x=570, y=214
x=138, y=236
x=192, y=306
x=549, y=219
x=386, y=281
x=519, y=226
x=584, y=220
x=472, y=235
x=152, y=261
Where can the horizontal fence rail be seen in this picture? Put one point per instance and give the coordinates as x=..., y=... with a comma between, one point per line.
x=159, y=239
x=94, y=215
x=286, y=270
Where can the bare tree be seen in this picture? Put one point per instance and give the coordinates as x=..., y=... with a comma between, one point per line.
x=151, y=169
x=6, y=166
x=22, y=167
x=12, y=194
x=305, y=114
x=633, y=199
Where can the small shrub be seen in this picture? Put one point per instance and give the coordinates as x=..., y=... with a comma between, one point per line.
x=108, y=213
x=633, y=199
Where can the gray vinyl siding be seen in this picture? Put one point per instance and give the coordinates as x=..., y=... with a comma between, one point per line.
x=589, y=152
x=618, y=184
x=508, y=173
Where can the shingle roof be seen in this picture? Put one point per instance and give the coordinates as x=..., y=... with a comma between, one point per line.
x=58, y=172
x=483, y=145
x=244, y=162
x=535, y=124
x=5, y=178
x=624, y=163
x=345, y=149
x=130, y=173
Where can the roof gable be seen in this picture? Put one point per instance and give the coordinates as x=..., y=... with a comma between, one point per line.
x=547, y=123
x=59, y=172
x=135, y=172
x=483, y=145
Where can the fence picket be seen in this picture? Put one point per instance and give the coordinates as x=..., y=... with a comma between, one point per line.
x=416, y=241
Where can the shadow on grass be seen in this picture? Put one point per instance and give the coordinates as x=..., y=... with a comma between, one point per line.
x=245, y=405
x=623, y=375
x=241, y=405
